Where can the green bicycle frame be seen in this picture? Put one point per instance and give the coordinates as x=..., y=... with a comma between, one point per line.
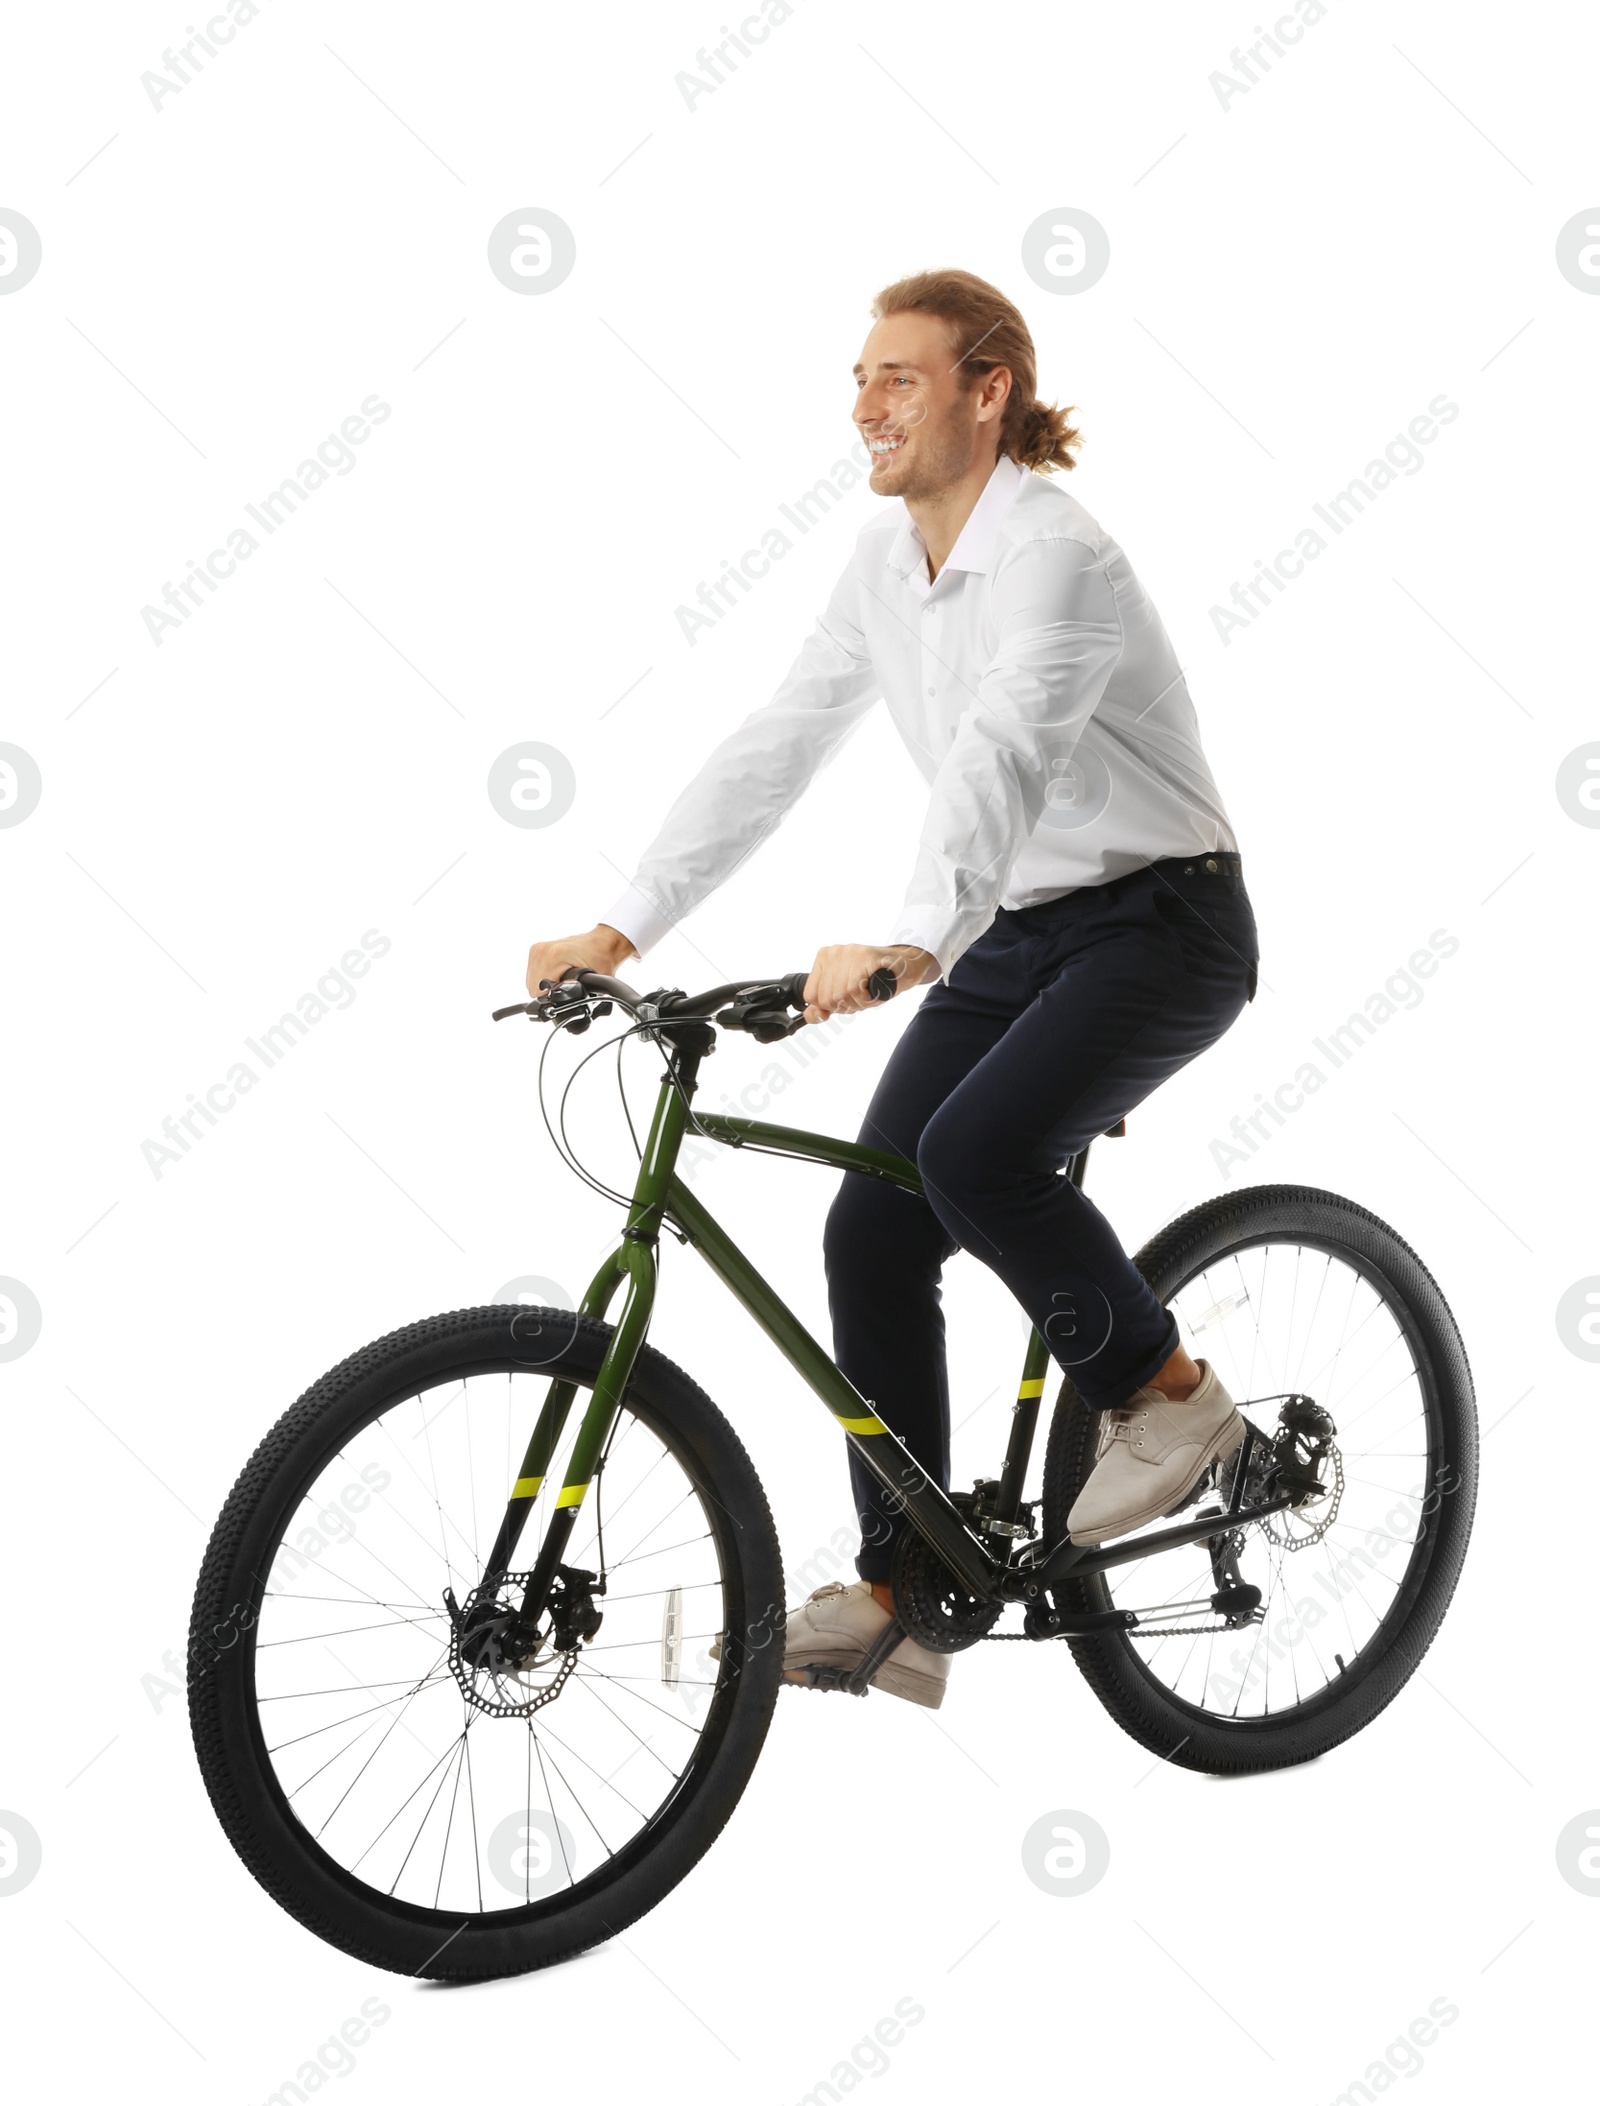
x=660, y=1196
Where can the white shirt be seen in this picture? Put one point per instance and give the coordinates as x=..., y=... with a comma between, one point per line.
x=1035, y=687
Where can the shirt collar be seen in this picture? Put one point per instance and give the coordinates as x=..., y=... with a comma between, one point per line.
x=974, y=549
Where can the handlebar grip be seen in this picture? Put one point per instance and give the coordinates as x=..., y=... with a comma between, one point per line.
x=881, y=985
x=604, y=984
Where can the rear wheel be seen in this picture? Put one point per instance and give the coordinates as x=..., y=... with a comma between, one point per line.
x=1288, y=1290
x=409, y=1794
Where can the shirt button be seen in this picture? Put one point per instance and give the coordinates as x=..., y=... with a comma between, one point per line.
x=932, y=692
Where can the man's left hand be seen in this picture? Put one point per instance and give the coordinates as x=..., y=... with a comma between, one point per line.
x=838, y=980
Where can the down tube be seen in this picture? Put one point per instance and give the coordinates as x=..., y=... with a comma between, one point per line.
x=890, y=1462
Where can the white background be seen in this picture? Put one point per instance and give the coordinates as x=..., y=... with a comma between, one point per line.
x=1292, y=280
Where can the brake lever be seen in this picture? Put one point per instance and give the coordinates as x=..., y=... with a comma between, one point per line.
x=564, y=995
x=759, y=1012
x=767, y=1030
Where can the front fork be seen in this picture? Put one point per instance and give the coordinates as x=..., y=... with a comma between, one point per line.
x=632, y=1265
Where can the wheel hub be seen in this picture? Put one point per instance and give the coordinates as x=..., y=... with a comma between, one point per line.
x=505, y=1666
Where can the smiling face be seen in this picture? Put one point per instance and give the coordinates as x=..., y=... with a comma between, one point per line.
x=924, y=427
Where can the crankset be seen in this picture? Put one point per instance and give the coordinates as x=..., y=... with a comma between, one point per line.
x=935, y=1607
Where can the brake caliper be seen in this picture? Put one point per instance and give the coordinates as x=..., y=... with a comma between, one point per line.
x=1297, y=1464
x=1301, y=1449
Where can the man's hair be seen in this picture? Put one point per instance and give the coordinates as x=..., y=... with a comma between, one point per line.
x=987, y=331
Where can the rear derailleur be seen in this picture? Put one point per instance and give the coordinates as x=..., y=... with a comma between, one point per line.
x=1290, y=1464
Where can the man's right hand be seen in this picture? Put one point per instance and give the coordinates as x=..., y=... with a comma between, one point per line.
x=602, y=950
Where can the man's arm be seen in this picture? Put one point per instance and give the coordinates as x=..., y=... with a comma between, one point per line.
x=754, y=776
x=738, y=797
x=1060, y=638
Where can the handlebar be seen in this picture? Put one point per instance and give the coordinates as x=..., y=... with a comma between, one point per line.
x=739, y=1005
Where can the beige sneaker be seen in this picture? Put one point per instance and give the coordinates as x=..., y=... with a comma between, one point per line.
x=1151, y=1454
x=835, y=1628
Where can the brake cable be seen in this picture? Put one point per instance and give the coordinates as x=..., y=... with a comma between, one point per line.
x=560, y=1142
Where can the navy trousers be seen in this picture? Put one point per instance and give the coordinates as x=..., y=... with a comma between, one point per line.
x=1053, y=1025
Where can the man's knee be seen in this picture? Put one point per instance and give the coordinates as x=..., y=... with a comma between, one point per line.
x=956, y=1180
x=873, y=1229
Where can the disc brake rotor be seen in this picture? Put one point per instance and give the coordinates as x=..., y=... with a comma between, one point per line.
x=502, y=1667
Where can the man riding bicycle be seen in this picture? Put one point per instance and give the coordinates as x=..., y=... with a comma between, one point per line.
x=1077, y=898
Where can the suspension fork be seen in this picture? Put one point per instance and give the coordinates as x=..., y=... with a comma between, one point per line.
x=632, y=1267
x=548, y=1427
x=634, y=1264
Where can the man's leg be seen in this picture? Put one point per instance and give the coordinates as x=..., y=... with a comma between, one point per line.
x=1132, y=988
x=885, y=1249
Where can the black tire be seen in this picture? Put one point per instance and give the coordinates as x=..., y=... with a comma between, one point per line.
x=1200, y=1737
x=244, y=1787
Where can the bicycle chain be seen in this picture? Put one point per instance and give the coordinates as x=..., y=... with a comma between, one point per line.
x=1180, y=1630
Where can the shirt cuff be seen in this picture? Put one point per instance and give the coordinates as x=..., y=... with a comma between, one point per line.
x=639, y=918
x=931, y=935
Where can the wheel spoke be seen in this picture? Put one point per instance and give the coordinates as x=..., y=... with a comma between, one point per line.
x=1309, y=1321
x=442, y=1733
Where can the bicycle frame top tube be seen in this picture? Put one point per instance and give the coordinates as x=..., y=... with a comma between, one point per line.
x=810, y=1147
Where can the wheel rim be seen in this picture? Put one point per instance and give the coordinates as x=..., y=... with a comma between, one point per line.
x=1282, y=1315
x=418, y=1793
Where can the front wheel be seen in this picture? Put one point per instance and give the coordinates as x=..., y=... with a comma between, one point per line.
x=1289, y=1291
x=398, y=1781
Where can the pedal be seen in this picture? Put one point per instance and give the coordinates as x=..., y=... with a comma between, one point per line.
x=825, y=1678
x=1196, y=1491
x=1225, y=1468
x=855, y=1680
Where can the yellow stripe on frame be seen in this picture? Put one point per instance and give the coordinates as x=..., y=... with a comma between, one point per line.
x=571, y=1495
x=526, y=1488
x=863, y=1426
x=1031, y=1389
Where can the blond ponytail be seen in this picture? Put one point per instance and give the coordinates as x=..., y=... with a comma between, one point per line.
x=1045, y=438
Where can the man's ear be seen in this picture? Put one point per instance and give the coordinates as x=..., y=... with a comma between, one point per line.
x=996, y=390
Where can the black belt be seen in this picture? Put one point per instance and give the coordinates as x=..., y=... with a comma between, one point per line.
x=1167, y=869
x=1217, y=864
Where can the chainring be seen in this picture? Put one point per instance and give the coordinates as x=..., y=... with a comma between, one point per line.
x=932, y=1603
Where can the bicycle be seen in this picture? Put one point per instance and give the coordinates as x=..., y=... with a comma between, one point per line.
x=461, y=1765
